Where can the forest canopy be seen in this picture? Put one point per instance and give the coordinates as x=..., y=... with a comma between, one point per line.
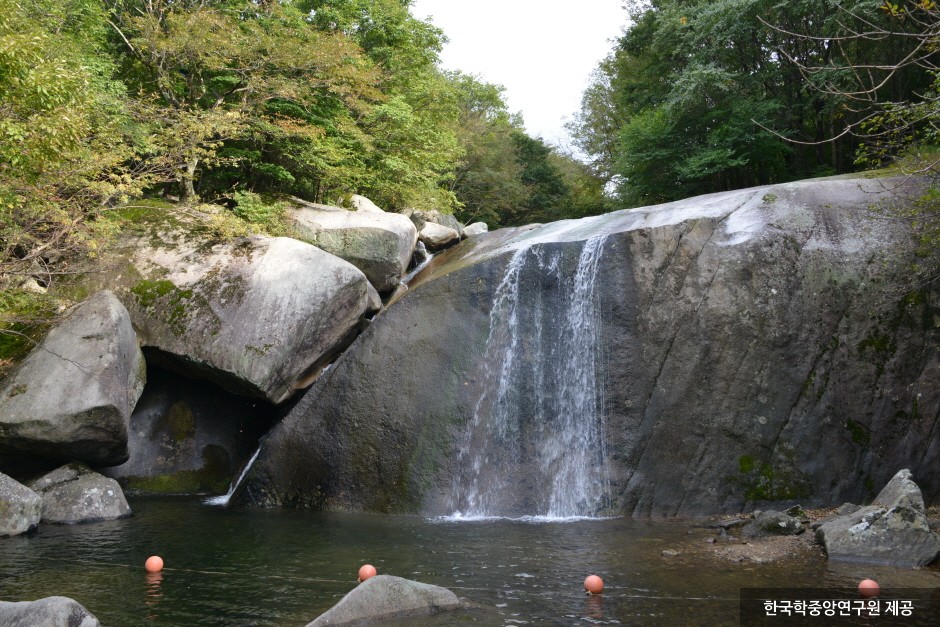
x=708, y=95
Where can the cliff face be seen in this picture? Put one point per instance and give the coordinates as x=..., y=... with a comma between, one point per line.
x=767, y=344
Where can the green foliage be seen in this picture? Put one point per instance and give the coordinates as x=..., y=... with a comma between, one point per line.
x=684, y=102
x=25, y=317
x=256, y=210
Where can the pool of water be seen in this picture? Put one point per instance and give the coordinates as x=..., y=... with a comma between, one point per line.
x=232, y=567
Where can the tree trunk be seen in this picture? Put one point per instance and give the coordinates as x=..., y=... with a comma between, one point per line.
x=187, y=190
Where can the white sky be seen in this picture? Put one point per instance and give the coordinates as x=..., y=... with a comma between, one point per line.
x=541, y=51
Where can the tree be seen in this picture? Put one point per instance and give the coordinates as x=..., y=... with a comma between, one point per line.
x=223, y=71
x=683, y=104
x=883, y=68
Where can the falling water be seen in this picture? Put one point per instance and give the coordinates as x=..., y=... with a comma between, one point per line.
x=536, y=443
x=225, y=498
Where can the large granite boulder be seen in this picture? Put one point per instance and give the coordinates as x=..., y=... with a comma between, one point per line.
x=20, y=507
x=48, y=612
x=422, y=216
x=385, y=597
x=189, y=437
x=71, y=398
x=259, y=316
x=893, y=531
x=75, y=494
x=750, y=348
x=378, y=243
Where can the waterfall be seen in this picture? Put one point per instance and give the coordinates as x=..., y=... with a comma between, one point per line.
x=536, y=442
x=225, y=498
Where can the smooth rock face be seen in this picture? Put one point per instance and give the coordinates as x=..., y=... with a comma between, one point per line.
x=756, y=346
x=378, y=243
x=20, y=507
x=477, y=228
x=436, y=236
x=189, y=437
x=72, y=396
x=75, y=494
x=385, y=597
x=259, y=316
x=893, y=531
x=48, y=612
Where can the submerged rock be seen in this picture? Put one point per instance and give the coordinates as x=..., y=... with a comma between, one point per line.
x=756, y=346
x=75, y=494
x=48, y=612
x=893, y=531
x=20, y=507
x=385, y=597
x=71, y=398
x=380, y=244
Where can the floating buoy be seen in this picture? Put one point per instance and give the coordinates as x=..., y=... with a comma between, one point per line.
x=366, y=571
x=594, y=584
x=154, y=564
x=869, y=588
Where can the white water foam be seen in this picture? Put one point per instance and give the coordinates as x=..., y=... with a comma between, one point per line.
x=223, y=499
x=541, y=412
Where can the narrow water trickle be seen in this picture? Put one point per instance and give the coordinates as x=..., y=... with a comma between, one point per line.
x=536, y=444
x=223, y=499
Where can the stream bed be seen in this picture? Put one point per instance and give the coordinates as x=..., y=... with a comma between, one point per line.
x=275, y=567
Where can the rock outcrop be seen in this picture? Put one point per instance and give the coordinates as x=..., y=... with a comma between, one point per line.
x=20, y=507
x=378, y=243
x=755, y=346
x=74, y=494
x=48, y=612
x=385, y=597
x=892, y=531
x=72, y=396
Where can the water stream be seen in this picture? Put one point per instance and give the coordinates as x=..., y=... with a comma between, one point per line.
x=223, y=499
x=536, y=443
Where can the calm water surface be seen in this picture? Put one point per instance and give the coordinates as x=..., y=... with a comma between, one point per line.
x=229, y=567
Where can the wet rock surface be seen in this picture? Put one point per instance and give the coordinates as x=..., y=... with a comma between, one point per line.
x=758, y=346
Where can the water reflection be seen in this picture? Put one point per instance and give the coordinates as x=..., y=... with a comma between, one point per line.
x=594, y=606
x=153, y=594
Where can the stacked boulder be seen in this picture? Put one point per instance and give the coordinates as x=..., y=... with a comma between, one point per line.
x=75, y=494
x=380, y=244
x=892, y=531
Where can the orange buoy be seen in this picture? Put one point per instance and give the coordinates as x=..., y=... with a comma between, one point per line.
x=154, y=564
x=594, y=584
x=869, y=588
x=366, y=571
